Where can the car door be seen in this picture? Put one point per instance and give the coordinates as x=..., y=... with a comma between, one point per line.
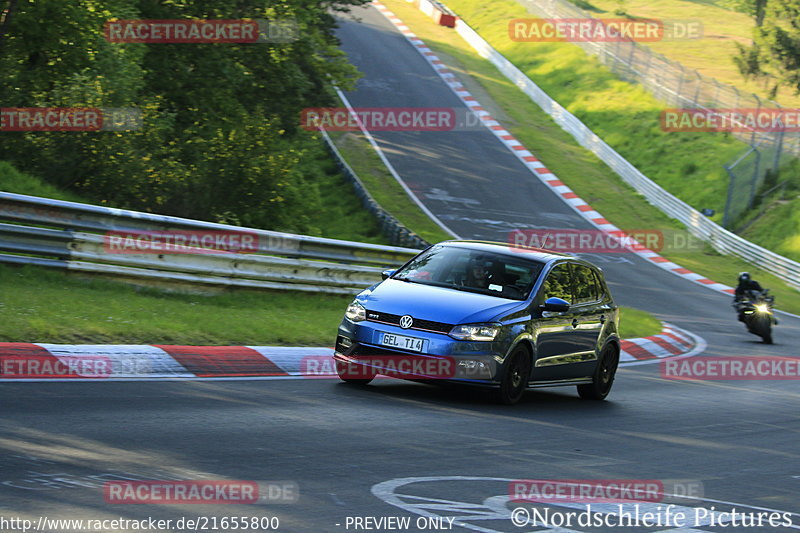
x=556, y=343
x=588, y=316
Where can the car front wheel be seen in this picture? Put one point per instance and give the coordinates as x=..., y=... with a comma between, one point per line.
x=603, y=377
x=515, y=377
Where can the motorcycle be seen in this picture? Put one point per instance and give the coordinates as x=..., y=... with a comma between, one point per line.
x=755, y=310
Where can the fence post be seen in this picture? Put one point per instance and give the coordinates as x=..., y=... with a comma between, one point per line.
x=678, y=94
x=715, y=103
x=754, y=183
x=753, y=135
x=697, y=91
x=726, y=218
x=776, y=160
x=646, y=73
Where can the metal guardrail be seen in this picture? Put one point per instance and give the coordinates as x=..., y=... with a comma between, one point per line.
x=74, y=239
x=698, y=225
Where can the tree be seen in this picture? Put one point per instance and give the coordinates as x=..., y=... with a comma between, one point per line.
x=220, y=138
x=6, y=14
x=774, y=56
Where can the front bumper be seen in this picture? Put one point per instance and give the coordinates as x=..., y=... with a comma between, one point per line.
x=442, y=357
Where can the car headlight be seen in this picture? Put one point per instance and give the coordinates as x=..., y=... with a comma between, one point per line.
x=355, y=312
x=475, y=332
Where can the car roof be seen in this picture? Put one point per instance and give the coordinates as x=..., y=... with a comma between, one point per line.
x=512, y=250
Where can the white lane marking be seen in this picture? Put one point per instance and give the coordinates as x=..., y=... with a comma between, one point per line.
x=493, y=507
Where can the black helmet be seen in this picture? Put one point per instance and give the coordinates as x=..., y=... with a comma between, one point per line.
x=744, y=276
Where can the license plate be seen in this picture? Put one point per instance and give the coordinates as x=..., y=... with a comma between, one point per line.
x=401, y=341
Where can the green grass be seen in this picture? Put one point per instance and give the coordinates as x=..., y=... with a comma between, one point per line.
x=12, y=180
x=39, y=305
x=779, y=226
x=712, y=55
x=42, y=305
x=577, y=167
x=626, y=116
x=623, y=114
x=365, y=162
x=637, y=323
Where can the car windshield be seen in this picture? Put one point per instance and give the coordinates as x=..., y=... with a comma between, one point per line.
x=473, y=271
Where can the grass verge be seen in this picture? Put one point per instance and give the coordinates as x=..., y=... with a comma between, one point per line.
x=625, y=115
x=13, y=180
x=712, y=55
x=589, y=177
x=40, y=305
x=637, y=323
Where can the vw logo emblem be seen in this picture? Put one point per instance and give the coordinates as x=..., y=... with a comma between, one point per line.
x=406, y=321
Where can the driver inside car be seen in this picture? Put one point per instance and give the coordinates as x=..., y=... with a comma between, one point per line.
x=477, y=276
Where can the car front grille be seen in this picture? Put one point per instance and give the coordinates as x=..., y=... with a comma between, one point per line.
x=419, y=324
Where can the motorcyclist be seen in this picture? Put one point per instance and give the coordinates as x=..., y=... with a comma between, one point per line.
x=746, y=284
x=744, y=288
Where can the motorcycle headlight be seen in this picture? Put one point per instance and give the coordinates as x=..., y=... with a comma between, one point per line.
x=762, y=308
x=475, y=332
x=355, y=312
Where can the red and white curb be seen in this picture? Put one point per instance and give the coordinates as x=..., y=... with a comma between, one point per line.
x=536, y=167
x=671, y=342
x=35, y=362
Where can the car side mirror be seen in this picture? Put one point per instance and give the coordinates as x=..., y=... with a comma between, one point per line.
x=556, y=305
x=387, y=273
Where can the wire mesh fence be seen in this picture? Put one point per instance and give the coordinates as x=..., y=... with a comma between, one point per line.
x=681, y=87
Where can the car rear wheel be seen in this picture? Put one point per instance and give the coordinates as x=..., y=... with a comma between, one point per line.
x=354, y=374
x=515, y=378
x=603, y=377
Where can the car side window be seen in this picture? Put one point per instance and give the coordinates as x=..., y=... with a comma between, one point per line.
x=585, y=284
x=601, y=291
x=558, y=284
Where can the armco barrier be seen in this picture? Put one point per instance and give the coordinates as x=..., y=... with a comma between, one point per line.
x=74, y=240
x=700, y=226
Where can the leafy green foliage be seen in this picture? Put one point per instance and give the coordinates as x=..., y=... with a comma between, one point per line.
x=219, y=132
x=774, y=56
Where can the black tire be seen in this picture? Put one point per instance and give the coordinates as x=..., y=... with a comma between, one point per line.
x=515, y=377
x=766, y=331
x=767, y=338
x=345, y=375
x=603, y=378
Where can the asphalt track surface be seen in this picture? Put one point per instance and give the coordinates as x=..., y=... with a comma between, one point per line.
x=445, y=449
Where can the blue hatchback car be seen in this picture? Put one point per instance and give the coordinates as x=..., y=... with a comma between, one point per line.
x=485, y=313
